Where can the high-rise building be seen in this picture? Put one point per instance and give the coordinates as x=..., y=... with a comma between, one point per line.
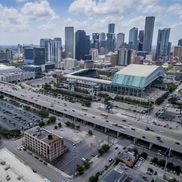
x=148, y=34
x=162, y=50
x=120, y=40
x=111, y=28
x=102, y=36
x=82, y=45
x=34, y=55
x=180, y=42
x=39, y=55
x=28, y=55
x=95, y=40
x=47, y=44
x=124, y=56
x=57, y=52
x=111, y=37
x=178, y=52
x=102, y=43
x=69, y=42
x=133, y=38
x=140, y=40
x=94, y=53
x=110, y=42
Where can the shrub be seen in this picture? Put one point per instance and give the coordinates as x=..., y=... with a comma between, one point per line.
x=90, y=132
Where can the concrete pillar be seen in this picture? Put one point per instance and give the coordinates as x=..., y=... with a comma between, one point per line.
x=105, y=130
x=94, y=126
x=117, y=134
x=134, y=140
x=150, y=145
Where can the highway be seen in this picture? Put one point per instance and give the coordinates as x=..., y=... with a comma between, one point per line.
x=168, y=138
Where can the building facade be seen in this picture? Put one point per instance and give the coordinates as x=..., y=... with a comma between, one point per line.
x=39, y=55
x=163, y=50
x=57, y=52
x=178, y=52
x=82, y=45
x=120, y=40
x=69, y=42
x=95, y=41
x=148, y=33
x=111, y=28
x=34, y=55
x=47, y=44
x=44, y=143
x=140, y=40
x=123, y=56
x=180, y=42
x=133, y=38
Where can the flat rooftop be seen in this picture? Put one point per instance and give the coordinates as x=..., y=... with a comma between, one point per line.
x=121, y=173
x=13, y=169
x=138, y=70
x=42, y=134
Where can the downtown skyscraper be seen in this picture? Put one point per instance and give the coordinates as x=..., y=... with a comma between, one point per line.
x=47, y=44
x=57, y=52
x=111, y=37
x=133, y=38
x=69, y=42
x=82, y=45
x=148, y=33
x=163, y=45
x=120, y=40
x=140, y=40
x=53, y=50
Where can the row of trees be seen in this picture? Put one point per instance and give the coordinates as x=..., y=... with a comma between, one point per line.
x=85, y=166
x=72, y=125
x=71, y=96
x=170, y=166
x=9, y=133
x=171, y=87
x=103, y=149
x=133, y=101
x=161, y=99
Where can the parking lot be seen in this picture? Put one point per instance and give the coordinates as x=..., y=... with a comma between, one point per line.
x=75, y=155
x=12, y=117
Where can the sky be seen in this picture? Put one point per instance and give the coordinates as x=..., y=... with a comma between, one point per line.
x=26, y=21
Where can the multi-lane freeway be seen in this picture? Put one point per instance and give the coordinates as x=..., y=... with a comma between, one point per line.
x=136, y=129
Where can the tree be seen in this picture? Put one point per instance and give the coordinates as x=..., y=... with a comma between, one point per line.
x=51, y=120
x=43, y=113
x=80, y=169
x=41, y=123
x=77, y=127
x=90, y=132
x=103, y=149
x=59, y=125
x=155, y=160
x=86, y=164
x=93, y=179
x=144, y=155
x=170, y=165
x=177, y=169
x=161, y=163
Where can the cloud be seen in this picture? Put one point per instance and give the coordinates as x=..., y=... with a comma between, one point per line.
x=175, y=9
x=37, y=10
x=21, y=1
x=149, y=6
x=12, y=19
x=101, y=7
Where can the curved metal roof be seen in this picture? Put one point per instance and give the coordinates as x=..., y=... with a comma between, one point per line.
x=137, y=76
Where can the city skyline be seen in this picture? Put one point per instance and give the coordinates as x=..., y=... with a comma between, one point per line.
x=27, y=21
